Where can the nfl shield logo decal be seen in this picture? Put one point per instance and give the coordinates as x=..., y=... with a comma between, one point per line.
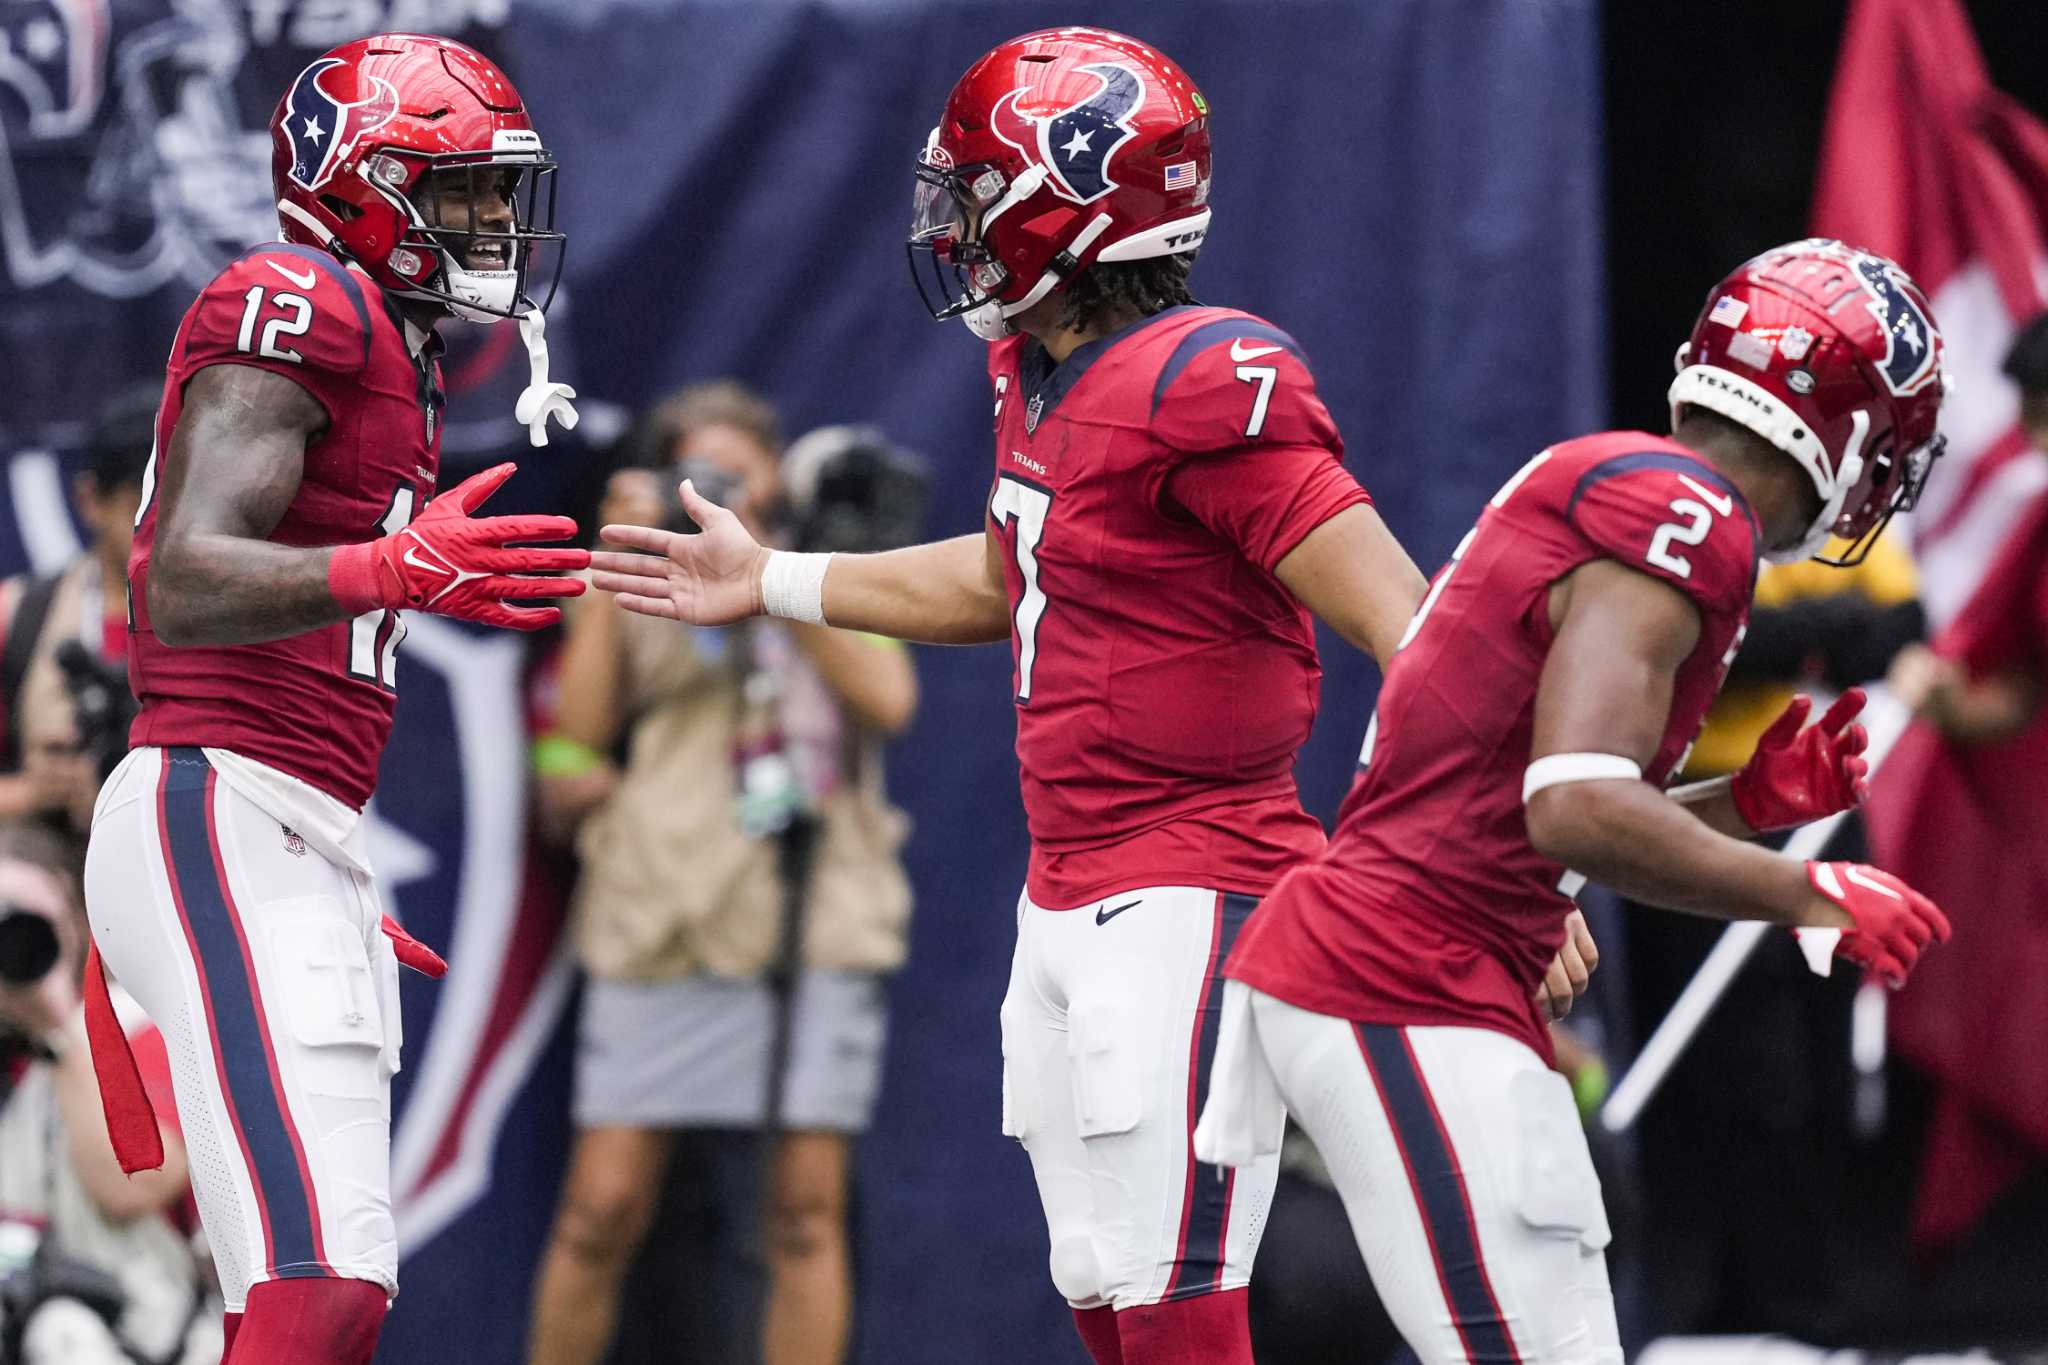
x=1033, y=410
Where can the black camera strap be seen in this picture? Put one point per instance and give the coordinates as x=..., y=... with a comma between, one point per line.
x=24, y=633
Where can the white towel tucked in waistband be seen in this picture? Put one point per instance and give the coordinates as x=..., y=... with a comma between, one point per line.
x=1245, y=1116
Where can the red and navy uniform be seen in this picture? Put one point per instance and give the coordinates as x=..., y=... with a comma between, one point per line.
x=1144, y=491
x=316, y=705
x=1431, y=906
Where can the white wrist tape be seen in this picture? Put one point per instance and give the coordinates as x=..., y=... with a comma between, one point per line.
x=1554, y=770
x=793, y=586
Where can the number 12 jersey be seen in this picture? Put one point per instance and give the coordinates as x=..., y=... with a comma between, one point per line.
x=1144, y=491
x=316, y=705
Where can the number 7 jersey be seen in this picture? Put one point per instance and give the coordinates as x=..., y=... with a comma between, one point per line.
x=1431, y=906
x=317, y=705
x=1144, y=491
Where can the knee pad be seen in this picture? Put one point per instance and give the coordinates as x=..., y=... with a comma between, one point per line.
x=311, y=1322
x=1077, y=1270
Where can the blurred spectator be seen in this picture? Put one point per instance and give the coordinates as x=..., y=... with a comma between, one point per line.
x=1996, y=702
x=744, y=816
x=64, y=638
x=1766, y=1088
x=95, y=1265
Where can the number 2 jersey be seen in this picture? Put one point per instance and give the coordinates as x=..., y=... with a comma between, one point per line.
x=1144, y=491
x=1431, y=906
x=315, y=705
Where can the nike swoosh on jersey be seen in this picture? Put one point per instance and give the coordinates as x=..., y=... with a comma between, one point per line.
x=1720, y=502
x=304, y=281
x=1105, y=916
x=1240, y=352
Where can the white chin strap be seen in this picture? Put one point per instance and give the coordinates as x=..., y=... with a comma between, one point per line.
x=991, y=321
x=1751, y=406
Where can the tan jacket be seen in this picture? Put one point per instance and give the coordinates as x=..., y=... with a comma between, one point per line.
x=672, y=886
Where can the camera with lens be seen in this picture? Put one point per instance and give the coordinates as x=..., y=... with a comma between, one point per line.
x=852, y=490
x=28, y=945
x=710, y=480
x=36, y=1279
x=102, y=706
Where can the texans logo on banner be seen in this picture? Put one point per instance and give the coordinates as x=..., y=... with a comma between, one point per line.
x=325, y=127
x=1076, y=144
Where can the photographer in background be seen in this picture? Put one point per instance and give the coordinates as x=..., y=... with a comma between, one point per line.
x=64, y=638
x=740, y=907
x=94, y=1266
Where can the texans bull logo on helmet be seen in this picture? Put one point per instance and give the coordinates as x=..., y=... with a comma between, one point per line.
x=1909, y=333
x=325, y=128
x=1076, y=144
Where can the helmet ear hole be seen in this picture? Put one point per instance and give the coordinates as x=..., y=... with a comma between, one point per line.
x=340, y=208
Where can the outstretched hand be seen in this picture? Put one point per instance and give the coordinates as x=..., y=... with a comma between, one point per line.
x=712, y=578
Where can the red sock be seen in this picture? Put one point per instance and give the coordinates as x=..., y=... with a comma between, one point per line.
x=311, y=1322
x=1210, y=1329
x=230, y=1323
x=1098, y=1330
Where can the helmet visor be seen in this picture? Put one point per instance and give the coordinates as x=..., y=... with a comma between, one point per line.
x=953, y=269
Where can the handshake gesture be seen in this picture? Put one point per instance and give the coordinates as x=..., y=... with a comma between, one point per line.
x=452, y=563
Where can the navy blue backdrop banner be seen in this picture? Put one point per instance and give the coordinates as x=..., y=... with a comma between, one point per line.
x=1411, y=187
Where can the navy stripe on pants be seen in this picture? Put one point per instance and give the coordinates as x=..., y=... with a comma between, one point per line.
x=1439, y=1192
x=1206, y=1220
x=282, y=1184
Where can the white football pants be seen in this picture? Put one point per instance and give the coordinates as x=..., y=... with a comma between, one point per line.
x=1109, y=1027
x=1462, y=1165
x=264, y=966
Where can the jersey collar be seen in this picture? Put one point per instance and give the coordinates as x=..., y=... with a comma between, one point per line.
x=1045, y=384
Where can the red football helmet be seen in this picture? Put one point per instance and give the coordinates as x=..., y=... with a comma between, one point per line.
x=1056, y=150
x=1831, y=354
x=365, y=136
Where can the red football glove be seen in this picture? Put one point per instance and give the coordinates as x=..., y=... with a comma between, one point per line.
x=1797, y=775
x=1893, y=921
x=413, y=953
x=453, y=564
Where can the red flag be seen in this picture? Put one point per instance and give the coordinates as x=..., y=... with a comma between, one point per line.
x=1925, y=162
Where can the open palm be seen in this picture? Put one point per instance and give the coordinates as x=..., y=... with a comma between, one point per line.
x=709, y=579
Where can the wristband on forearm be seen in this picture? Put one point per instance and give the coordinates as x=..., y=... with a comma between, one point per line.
x=793, y=586
x=352, y=578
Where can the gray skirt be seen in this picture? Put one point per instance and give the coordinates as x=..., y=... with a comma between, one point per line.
x=693, y=1053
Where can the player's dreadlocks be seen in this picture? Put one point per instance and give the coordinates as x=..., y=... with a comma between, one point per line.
x=1138, y=288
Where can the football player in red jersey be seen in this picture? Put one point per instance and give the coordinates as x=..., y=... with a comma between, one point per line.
x=227, y=877
x=1545, y=691
x=1166, y=509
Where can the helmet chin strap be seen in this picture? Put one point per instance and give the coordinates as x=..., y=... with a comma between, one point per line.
x=321, y=234
x=991, y=321
x=1832, y=499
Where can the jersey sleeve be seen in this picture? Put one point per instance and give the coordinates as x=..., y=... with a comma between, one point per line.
x=290, y=310
x=1257, y=456
x=1672, y=519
